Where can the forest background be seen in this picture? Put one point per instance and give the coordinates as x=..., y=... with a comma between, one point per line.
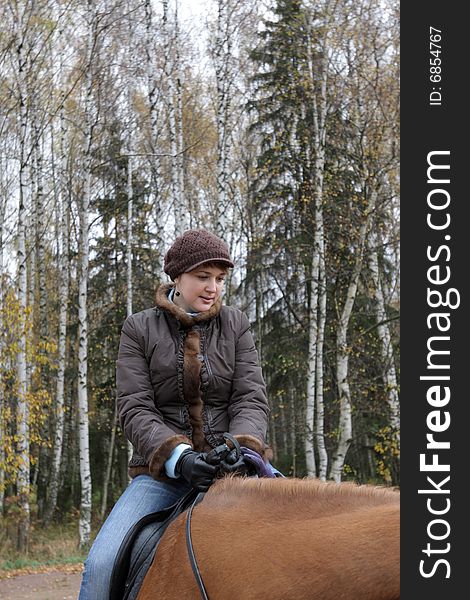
x=122, y=123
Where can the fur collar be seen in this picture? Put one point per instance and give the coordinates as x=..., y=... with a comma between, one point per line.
x=178, y=313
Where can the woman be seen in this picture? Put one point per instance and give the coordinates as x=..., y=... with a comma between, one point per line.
x=187, y=371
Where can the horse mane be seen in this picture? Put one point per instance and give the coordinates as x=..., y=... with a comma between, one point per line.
x=298, y=494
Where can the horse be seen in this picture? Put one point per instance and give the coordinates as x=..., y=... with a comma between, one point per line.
x=281, y=539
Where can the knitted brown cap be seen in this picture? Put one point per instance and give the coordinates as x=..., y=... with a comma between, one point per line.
x=193, y=248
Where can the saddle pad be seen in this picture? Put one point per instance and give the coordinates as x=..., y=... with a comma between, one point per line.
x=138, y=549
x=143, y=552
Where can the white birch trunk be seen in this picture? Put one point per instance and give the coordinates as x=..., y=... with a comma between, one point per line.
x=39, y=222
x=386, y=349
x=342, y=353
x=179, y=118
x=321, y=291
x=153, y=99
x=129, y=236
x=38, y=290
x=153, y=90
x=222, y=57
x=129, y=253
x=342, y=364
x=62, y=341
x=311, y=369
x=22, y=415
x=172, y=102
x=31, y=262
x=315, y=360
x=22, y=481
x=85, y=475
x=129, y=256
x=319, y=404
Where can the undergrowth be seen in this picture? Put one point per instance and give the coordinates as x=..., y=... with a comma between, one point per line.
x=54, y=545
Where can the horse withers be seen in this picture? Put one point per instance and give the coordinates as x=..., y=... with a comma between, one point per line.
x=281, y=539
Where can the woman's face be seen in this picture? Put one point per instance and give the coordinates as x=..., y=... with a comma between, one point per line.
x=200, y=289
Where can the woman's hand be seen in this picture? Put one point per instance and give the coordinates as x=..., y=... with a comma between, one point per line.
x=234, y=463
x=193, y=467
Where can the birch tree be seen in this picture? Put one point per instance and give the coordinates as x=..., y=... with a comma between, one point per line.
x=63, y=263
x=129, y=246
x=317, y=85
x=85, y=475
x=180, y=151
x=224, y=76
x=319, y=379
x=39, y=212
x=22, y=416
x=154, y=99
x=173, y=105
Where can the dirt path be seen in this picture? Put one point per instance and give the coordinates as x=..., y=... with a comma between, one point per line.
x=49, y=585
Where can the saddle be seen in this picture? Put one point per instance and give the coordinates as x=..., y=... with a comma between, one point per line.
x=138, y=549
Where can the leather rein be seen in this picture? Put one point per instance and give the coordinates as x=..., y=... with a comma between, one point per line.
x=189, y=546
x=215, y=456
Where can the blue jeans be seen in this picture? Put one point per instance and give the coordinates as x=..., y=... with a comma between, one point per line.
x=143, y=496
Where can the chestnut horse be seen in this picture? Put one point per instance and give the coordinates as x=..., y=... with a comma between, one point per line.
x=282, y=539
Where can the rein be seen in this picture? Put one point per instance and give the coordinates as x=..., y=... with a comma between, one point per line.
x=215, y=457
x=189, y=546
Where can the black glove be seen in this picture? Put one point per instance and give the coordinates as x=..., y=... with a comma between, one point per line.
x=197, y=472
x=234, y=463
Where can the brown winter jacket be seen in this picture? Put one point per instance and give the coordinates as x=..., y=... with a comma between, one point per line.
x=183, y=379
